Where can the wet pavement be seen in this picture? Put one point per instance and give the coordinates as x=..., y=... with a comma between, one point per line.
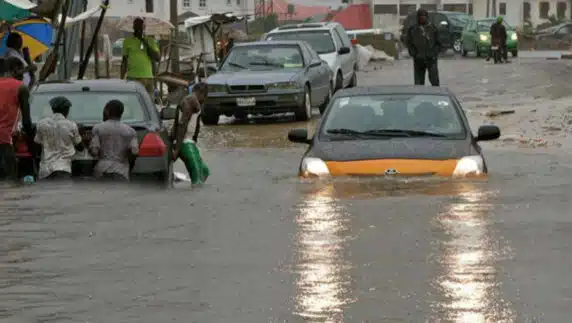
x=257, y=244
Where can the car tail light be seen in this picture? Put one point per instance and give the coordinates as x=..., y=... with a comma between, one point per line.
x=21, y=147
x=152, y=145
x=355, y=41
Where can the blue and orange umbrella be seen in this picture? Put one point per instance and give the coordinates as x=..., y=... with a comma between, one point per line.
x=37, y=34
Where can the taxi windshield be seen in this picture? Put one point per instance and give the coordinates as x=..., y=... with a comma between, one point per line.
x=392, y=115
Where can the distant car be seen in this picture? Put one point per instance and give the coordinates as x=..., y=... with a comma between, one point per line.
x=561, y=31
x=88, y=99
x=268, y=78
x=449, y=23
x=394, y=131
x=477, y=37
x=331, y=42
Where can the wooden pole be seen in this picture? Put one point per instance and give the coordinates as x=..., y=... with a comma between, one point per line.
x=174, y=53
x=96, y=58
x=85, y=62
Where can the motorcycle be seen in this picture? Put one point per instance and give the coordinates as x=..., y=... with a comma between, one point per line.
x=497, y=54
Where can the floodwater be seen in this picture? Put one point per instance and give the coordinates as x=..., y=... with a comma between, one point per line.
x=257, y=244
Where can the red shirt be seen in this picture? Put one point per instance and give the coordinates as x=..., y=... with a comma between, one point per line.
x=9, y=108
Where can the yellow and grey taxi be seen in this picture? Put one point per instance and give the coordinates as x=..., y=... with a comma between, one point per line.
x=394, y=131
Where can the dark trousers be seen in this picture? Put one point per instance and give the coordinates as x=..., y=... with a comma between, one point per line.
x=59, y=175
x=8, y=166
x=421, y=67
x=113, y=177
x=504, y=53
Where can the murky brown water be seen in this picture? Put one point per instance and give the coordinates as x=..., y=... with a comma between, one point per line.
x=257, y=244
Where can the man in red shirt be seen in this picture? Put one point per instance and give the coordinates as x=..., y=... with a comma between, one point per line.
x=14, y=102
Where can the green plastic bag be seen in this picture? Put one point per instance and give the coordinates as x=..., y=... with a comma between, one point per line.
x=195, y=165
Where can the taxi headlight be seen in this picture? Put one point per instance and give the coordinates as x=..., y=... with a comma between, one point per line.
x=484, y=37
x=469, y=166
x=216, y=88
x=514, y=37
x=283, y=86
x=314, y=166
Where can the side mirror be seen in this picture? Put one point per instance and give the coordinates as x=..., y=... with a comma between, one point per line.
x=344, y=50
x=299, y=136
x=486, y=133
x=168, y=113
x=315, y=63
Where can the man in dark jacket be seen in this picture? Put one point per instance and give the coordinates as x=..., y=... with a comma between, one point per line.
x=498, y=38
x=424, y=46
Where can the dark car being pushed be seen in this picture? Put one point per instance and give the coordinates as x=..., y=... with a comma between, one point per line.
x=268, y=77
x=449, y=23
x=88, y=99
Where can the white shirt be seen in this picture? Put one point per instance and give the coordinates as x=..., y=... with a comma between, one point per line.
x=14, y=53
x=58, y=137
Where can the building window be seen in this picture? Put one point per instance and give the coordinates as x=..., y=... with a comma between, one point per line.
x=186, y=3
x=502, y=8
x=457, y=7
x=561, y=10
x=149, y=6
x=470, y=8
x=385, y=9
x=228, y=2
x=406, y=9
x=429, y=7
x=238, y=2
x=526, y=11
x=202, y=3
x=544, y=9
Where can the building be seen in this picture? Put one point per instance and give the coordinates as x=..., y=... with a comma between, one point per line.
x=161, y=8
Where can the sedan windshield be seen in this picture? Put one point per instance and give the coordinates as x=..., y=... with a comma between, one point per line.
x=258, y=57
x=320, y=40
x=387, y=116
x=88, y=106
x=485, y=25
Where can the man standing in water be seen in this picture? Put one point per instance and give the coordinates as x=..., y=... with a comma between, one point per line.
x=139, y=56
x=14, y=101
x=424, y=45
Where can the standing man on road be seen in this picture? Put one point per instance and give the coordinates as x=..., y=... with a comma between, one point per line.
x=14, y=102
x=424, y=46
x=498, y=38
x=139, y=56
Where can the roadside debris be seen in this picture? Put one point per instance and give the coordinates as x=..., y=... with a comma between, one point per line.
x=368, y=53
x=496, y=113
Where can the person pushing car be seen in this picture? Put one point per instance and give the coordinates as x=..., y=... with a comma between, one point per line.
x=424, y=46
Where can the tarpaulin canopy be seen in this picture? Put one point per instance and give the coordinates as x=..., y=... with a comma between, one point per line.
x=225, y=18
x=37, y=35
x=11, y=10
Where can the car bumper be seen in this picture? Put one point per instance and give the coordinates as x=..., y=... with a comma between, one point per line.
x=265, y=103
x=486, y=47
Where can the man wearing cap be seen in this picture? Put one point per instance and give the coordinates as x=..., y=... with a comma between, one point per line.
x=139, y=56
x=59, y=138
x=424, y=46
x=498, y=38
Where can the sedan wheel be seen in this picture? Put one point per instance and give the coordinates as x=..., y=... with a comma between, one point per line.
x=457, y=45
x=304, y=112
x=167, y=178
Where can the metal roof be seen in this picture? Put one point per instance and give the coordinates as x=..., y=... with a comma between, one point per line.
x=394, y=89
x=103, y=85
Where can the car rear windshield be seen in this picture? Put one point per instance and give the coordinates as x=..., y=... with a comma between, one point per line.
x=320, y=40
x=435, y=114
x=262, y=57
x=88, y=107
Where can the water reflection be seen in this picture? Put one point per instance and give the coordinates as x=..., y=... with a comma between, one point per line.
x=323, y=284
x=470, y=281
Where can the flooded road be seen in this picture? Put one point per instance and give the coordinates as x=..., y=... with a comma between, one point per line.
x=257, y=244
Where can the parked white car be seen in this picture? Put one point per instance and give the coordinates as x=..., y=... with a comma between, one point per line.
x=331, y=42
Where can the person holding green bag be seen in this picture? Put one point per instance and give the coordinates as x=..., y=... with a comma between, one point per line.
x=185, y=145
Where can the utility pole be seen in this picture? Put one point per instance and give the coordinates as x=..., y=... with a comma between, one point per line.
x=174, y=52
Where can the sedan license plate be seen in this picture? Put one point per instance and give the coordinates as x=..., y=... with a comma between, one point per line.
x=246, y=102
x=494, y=47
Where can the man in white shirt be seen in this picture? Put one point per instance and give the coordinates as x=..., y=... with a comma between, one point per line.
x=14, y=44
x=59, y=138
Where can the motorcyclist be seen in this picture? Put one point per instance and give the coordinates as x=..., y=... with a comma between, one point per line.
x=424, y=46
x=498, y=38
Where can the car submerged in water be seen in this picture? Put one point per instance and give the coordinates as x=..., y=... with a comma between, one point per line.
x=394, y=131
x=268, y=77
